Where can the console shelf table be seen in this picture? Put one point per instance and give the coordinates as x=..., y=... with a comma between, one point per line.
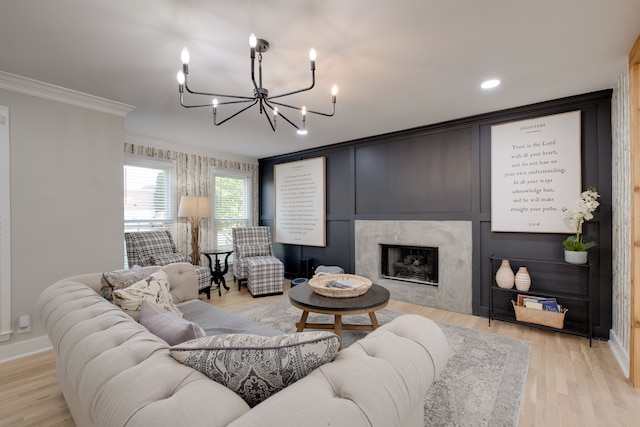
x=580, y=295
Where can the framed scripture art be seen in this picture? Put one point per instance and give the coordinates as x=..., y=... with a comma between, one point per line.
x=300, y=217
x=535, y=172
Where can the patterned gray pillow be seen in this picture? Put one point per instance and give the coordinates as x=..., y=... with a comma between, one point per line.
x=256, y=367
x=155, y=288
x=120, y=279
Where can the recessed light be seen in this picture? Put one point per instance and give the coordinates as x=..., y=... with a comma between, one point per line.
x=490, y=84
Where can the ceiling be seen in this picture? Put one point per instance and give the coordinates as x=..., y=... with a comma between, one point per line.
x=398, y=64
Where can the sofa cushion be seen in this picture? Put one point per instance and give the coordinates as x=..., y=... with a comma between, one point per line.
x=119, y=279
x=256, y=367
x=142, y=245
x=155, y=288
x=164, y=259
x=166, y=325
x=216, y=321
x=245, y=251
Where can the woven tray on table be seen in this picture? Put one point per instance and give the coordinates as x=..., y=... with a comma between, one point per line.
x=540, y=317
x=320, y=282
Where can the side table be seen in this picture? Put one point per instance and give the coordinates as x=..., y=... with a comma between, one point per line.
x=217, y=272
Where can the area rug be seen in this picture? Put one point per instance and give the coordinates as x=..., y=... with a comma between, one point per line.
x=483, y=384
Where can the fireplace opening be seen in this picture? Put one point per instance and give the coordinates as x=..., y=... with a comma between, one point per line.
x=416, y=264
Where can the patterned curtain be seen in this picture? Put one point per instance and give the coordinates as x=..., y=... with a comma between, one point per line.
x=193, y=178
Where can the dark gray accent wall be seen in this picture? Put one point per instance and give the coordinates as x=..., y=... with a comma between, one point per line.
x=415, y=174
x=443, y=172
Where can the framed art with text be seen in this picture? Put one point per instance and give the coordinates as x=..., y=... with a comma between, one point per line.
x=300, y=217
x=535, y=172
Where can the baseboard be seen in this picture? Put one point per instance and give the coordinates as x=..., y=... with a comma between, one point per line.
x=24, y=348
x=621, y=355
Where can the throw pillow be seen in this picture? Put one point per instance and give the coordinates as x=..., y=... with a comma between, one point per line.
x=164, y=259
x=256, y=367
x=166, y=325
x=155, y=288
x=121, y=279
x=254, y=250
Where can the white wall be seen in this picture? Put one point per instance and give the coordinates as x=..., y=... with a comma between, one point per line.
x=66, y=201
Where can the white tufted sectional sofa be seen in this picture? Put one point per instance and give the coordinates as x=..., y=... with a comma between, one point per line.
x=114, y=372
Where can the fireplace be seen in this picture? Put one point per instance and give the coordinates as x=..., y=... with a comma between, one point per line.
x=454, y=242
x=416, y=264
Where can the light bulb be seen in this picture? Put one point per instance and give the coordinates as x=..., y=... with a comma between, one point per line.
x=215, y=102
x=312, y=54
x=334, y=90
x=184, y=56
x=489, y=84
x=180, y=77
x=302, y=131
x=275, y=111
x=252, y=40
x=304, y=111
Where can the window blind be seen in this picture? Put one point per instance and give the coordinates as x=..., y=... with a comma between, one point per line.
x=148, y=195
x=232, y=192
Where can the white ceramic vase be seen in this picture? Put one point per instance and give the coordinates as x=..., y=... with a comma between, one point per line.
x=523, y=280
x=504, y=276
x=575, y=257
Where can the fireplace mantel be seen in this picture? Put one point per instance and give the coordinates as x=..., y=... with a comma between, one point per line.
x=454, y=242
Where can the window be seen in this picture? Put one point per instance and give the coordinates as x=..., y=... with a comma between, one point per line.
x=148, y=194
x=231, y=204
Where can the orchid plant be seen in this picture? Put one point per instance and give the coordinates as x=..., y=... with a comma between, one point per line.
x=586, y=204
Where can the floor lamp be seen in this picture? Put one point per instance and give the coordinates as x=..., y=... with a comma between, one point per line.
x=194, y=208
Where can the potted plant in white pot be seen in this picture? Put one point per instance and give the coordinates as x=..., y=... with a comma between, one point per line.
x=575, y=250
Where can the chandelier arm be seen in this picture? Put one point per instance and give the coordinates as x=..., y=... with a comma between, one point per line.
x=272, y=124
x=250, y=98
x=192, y=106
x=233, y=115
x=313, y=83
x=238, y=102
x=282, y=115
x=320, y=113
x=293, y=107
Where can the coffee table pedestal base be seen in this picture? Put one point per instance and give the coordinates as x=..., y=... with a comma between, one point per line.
x=337, y=326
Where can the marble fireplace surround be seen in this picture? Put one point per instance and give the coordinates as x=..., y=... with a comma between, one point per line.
x=454, y=242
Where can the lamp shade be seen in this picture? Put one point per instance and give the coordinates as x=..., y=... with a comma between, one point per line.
x=194, y=207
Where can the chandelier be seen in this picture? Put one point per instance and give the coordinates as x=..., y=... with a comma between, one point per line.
x=267, y=103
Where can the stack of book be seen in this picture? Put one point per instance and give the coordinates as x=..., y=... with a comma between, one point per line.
x=539, y=303
x=343, y=284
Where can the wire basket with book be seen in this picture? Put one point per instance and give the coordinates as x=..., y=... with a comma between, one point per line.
x=339, y=285
x=538, y=310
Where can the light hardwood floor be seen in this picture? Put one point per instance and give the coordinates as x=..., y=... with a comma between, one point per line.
x=568, y=383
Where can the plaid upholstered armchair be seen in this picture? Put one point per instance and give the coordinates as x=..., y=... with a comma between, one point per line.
x=147, y=248
x=254, y=261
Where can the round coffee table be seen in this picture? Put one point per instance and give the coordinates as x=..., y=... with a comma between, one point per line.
x=303, y=297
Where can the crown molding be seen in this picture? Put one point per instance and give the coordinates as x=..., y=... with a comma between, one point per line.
x=40, y=89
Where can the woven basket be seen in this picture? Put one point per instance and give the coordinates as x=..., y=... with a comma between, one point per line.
x=319, y=285
x=540, y=317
